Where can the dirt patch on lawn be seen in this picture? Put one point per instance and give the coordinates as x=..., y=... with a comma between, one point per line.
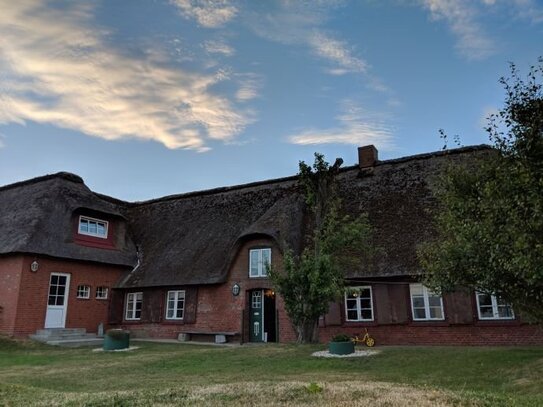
x=293, y=393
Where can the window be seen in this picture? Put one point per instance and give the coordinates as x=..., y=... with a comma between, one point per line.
x=133, y=306
x=175, y=305
x=83, y=291
x=359, y=304
x=491, y=307
x=425, y=304
x=259, y=260
x=92, y=227
x=101, y=293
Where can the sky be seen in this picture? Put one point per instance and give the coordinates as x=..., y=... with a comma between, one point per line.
x=147, y=98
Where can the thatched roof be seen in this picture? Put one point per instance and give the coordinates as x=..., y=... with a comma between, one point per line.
x=192, y=238
x=36, y=217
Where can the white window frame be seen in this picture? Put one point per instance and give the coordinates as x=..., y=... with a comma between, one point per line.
x=426, y=293
x=495, y=310
x=87, y=290
x=177, y=294
x=97, y=221
x=358, y=304
x=130, y=313
x=261, y=268
x=105, y=290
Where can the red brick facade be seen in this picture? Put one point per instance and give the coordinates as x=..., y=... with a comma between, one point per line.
x=217, y=309
x=23, y=303
x=24, y=294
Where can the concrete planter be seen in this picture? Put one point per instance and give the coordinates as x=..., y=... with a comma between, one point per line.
x=116, y=339
x=341, y=348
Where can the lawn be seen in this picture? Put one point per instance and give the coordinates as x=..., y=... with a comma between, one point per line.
x=183, y=374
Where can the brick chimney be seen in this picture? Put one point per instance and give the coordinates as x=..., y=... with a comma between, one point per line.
x=367, y=156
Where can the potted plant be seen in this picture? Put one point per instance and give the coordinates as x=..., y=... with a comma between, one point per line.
x=116, y=339
x=341, y=344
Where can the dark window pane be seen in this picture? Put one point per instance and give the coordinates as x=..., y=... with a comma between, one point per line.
x=365, y=303
x=352, y=315
x=366, y=314
x=420, y=313
x=486, y=312
x=485, y=299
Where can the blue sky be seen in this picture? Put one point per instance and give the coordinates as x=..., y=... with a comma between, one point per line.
x=149, y=98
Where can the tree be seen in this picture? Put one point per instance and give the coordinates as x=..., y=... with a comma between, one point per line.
x=490, y=223
x=309, y=282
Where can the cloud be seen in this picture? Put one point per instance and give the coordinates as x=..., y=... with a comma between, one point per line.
x=529, y=10
x=56, y=68
x=300, y=23
x=460, y=15
x=250, y=85
x=336, y=52
x=218, y=47
x=356, y=126
x=208, y=13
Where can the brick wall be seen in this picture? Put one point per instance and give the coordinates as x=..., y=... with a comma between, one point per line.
x=478, y=335
x=220, y=311
x=217, y=310
x=81, y=313
x=10, y=277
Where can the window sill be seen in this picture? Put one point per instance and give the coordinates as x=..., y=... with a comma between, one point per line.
x=497, y=322
x=82, y=298
x=173, y=322
x=359, y=323
x=438, y=322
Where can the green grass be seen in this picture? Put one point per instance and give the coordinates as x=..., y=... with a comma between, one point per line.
x=183, y=374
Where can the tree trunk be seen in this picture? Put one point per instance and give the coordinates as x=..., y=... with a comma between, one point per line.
x=308, y=331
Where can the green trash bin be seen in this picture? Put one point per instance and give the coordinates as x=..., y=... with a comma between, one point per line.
x=116, y=339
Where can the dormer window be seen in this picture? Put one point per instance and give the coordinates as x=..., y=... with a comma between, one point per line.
x=259, y=261
x=93, y=227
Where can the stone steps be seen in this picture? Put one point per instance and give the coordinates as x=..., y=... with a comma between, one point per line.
x=69, y=337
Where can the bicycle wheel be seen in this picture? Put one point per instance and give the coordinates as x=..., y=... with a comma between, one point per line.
x=370, y=342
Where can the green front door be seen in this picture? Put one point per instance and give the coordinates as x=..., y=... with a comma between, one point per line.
x=257, y=316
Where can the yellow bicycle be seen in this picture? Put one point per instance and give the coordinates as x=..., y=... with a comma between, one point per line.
x=367, y=339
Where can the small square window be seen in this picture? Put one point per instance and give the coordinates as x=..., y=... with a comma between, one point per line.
x=101, y=293
x=83, y=291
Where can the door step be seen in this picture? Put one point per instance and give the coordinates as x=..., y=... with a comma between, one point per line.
x=70, y=337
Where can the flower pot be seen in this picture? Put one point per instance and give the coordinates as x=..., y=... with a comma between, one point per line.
x=341, y=348
x=116, y=339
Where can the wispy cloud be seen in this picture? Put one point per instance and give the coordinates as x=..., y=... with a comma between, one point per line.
x=300, y=23
x=208, y=13
x=336, y=52
x=218, y=47
x=460, y=15
x=250, y=84
x=530, y=10
x=58, y=69
x=356, y=126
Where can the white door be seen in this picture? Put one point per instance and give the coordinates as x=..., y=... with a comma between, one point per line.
x=57, y=300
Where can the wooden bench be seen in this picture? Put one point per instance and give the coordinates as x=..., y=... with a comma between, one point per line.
x=220, y=337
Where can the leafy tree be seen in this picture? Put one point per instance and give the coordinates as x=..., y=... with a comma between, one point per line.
x=309, y=282
x=490, y=225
